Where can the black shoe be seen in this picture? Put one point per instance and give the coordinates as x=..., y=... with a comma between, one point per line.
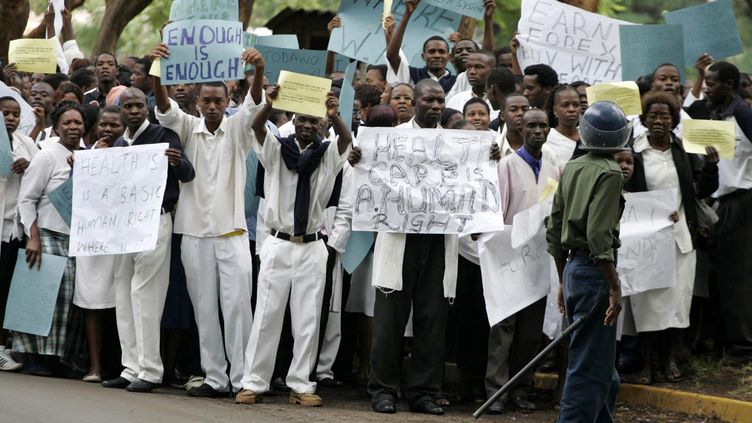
x=523, y=404
x=427, y=407
x=384, y=405
x=278, y=384
x=206, y=391
x=119, y=383
x=140, y=385
x=329, y=383
x=496, y=408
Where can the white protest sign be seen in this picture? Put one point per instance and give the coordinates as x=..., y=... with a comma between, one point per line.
x=647, y=257
x=426, y=181
x=579, y=45
x=527, y=223
x=513, y=278
x=28, y=119
x=117, y=199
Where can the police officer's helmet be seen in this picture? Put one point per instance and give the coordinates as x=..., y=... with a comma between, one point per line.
x=604, y=128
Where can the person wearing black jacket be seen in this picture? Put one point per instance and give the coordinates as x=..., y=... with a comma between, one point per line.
x=660, y=162
x=142, y=279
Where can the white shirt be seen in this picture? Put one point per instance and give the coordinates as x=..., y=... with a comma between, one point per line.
x=338, y=220
x=280, y=185
x=660, y=173
x=517, y=185
x=213, y=204
x=127, y=134
x=457, y=102
x=460, y=84
x=562, y=147
x=736, y=173
x=48, y=170
x=10, y=224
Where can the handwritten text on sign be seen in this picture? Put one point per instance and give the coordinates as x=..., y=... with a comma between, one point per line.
x=226, y=10
x=579, y=45
x=117, y=199
x=202, y=51
x=426, y=181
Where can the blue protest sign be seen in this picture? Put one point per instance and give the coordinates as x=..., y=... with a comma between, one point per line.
x=357, y=248
x=33, y=294
x=278, y=40
x=62, y=198
x=223, y=10
x=708, y=28
x=347, y=95
x=6, y=153
x=202, y=51
x=308, y=62
x=472, y=8
x=645, y=47
x=361, y=36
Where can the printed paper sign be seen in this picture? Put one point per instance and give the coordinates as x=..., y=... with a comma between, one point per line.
x=698, y=134
x=579, y=45
x=426, y=181
x=33, y=55
x=223, y=10
x=304, y=94
x=624, y=94
x=117, y=199
x=202, y=51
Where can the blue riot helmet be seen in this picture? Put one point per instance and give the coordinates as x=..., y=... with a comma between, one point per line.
x=604, y=128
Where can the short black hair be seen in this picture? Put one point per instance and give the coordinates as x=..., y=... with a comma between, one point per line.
x=96, y=59
x=477, y=47
x=69, y=87
x=83, y=77
x=9, y=98
x=63, y=107
x=475, y=100
x=547, y=76
x=55, y=80
x=551, y=103
x=212, y=84
x=663, y=65
x=145, y=62
x=727, y=71
x=461, y=124
x=435, y=38
x=503, y=79
x=511, y=96
x=380, y=68
x=487, y=53
x=578, y=84
x=368, y=95
x=446, y=114
x=502, y=50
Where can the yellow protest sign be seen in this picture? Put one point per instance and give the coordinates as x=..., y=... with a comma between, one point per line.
x=156, y=68
x=303, y=94
x=33, y=55
x=698, y=134
x=624, y=94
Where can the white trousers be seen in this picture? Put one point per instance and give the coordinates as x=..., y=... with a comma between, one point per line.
x=141, y=282
x=218, y=274
x=297, y=271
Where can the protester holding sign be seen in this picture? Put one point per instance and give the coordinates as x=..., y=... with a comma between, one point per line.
x=19, y=150
x=662, y=163
x=300, y=175
x=211, y=217
x=48, y=233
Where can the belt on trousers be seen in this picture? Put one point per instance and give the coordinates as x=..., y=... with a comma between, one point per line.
x=298, y=239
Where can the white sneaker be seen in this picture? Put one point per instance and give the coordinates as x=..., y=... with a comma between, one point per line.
x=7, y=363
x=194, y=382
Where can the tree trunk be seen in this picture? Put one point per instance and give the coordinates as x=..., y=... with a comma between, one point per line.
x=246, y=9
x=589, y=5
x=13, y=17
x=117, y=15
x=73, y=4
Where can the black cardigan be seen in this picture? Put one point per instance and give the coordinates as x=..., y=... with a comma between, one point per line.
x=695, y=180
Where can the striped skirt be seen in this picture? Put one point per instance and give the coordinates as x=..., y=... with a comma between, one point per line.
x=55, y=343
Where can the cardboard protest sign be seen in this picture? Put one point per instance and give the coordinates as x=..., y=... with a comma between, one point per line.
x=278, y=40
x=649, y=46
x=708, y=28
x=223, y=10
x=698, y=134
x=33, y=55
x=62, y=198
x=361, y=36
x=647, y=257
x=202, y=51
x=117, y=199
x=33, y=294
x=347, y=95
x=579, y=45
x=513, y=278
x=472, y=8
x=303, y=94
x=356, y=250
x=309, y=62
x=626, y=95
x=6, y=153
x=426, y=181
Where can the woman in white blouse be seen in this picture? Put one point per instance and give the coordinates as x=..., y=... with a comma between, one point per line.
x=563, y=116
x=661, y=163
x=48, y=233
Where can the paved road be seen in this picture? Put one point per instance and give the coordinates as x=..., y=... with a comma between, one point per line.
x=31, y=399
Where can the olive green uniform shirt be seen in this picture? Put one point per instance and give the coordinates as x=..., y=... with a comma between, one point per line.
x=586, y=209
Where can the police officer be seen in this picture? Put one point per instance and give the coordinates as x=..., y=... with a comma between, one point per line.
x=583, y=235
